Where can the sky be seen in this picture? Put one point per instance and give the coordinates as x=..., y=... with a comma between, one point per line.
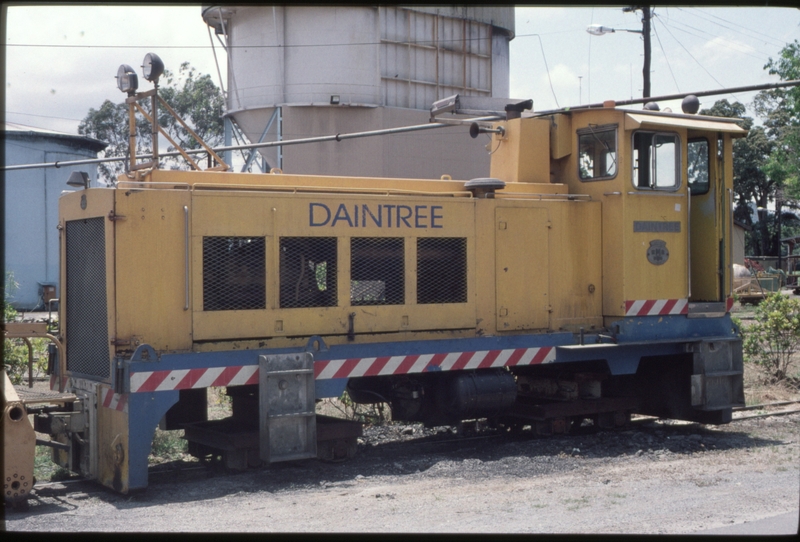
x=61, y=60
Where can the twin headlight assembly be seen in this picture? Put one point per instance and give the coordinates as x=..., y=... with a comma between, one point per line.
x=152, y=69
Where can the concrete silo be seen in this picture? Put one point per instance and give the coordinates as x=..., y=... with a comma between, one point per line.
x=31, y=205
x=302, y=71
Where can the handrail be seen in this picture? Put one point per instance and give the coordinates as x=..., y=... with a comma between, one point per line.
x=325, y=189
x=186, y=256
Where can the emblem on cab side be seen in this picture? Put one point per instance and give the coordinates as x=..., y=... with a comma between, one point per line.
x=657, y=252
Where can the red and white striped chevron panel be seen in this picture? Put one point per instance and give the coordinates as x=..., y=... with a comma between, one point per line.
x=344, y=368
x=729, y=305
x=452, y=361
x=114, y=401
x=183, y=379
x=656, y=307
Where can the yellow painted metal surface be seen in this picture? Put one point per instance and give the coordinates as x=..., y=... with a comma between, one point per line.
x=276, y=215
x=561, y=136
x=522, y=154
x=522, y=268
x=726, y=217
x=642, y=278
x=289, y=183
x=151, y=269
x=634, y=121
x=112, y=452
x=576, y=280
x=613, y=253
x=19, y=445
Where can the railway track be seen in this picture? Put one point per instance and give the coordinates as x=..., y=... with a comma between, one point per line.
x=411, y=447
x=766, y=414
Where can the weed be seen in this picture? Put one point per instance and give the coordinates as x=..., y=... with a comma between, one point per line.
x=576, y=504
x=15, y=351
x=372, y=414
x=44, y=470
x=168, y=446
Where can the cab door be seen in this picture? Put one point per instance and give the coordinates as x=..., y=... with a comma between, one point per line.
x=656, y=239
x=707, y=216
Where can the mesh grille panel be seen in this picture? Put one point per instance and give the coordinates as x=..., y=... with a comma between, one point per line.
x=377, y=271
x=234, y=273
x=87, y=308
x=308, y=272
x=442, y=270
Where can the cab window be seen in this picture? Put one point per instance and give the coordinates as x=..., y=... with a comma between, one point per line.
x=656, y=160
x=697, y=166
x=597, y=158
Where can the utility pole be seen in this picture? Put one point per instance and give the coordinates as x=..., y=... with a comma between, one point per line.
x=646, y=15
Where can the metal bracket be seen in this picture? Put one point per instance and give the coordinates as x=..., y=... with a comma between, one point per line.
x=144, y=352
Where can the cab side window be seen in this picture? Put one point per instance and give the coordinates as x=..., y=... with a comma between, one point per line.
x=656, y=160
x=697, y=168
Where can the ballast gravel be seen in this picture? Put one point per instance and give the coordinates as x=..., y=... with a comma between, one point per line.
x=651, y=478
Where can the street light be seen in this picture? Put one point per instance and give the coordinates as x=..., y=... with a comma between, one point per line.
x=600, y=30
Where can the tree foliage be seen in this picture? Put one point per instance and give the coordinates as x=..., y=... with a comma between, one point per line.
x=194, y=97
x=751, y=185
x=766, y=163
x=781, y=109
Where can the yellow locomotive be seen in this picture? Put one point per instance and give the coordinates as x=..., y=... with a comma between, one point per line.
x=588, y=277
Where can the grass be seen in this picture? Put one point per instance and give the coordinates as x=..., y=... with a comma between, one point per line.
x=168, y=446
x=576, y=504
x=44, y=470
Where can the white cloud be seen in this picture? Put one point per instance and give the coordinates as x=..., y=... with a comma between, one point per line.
x=725, y=48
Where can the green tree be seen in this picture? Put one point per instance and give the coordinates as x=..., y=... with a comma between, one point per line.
x=766, y=163
x=780, y=109
x=751, y=185
x=194, y=97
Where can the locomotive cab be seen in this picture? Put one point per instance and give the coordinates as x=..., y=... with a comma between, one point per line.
x=665, y=183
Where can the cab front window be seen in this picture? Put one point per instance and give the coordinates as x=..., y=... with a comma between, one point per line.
x=597, y=157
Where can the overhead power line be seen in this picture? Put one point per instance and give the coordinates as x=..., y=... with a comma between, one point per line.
x=666, y=27
x=666, y=58
x=732, y=44
x=41, y=116
x=705, y=15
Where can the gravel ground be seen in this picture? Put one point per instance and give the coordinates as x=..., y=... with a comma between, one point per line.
x=650, y=478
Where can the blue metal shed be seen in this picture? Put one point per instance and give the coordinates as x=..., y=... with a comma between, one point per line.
x=31, y=205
